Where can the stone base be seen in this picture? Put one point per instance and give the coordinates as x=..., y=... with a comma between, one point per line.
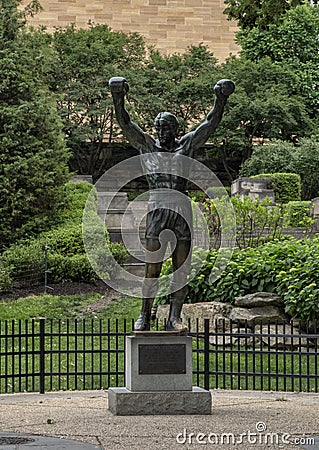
x=158, y=361
x=123, y=402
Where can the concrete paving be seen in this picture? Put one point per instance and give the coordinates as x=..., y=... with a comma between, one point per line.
x=244, y=420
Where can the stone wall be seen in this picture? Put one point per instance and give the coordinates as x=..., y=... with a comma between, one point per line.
x=170, y=25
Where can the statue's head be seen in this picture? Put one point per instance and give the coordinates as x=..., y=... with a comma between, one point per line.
x=166, y=125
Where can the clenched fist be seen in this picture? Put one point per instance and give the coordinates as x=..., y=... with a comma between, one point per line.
x=118, y=85
x=224, y=88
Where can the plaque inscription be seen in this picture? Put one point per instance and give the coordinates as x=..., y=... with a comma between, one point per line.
x=161, y=359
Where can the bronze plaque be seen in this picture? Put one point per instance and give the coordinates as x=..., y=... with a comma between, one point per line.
x=161, y=359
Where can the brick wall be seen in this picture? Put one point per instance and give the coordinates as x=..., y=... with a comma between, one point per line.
x=170, y=25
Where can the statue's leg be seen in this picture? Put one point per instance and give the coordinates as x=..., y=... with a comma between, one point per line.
x=150, y=284
x=181, y=265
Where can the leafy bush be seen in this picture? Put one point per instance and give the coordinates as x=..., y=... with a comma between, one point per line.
x=256, y=221
x=75, y=197
x=72, y=268
x=119, y=252
x=5, y=279
x=287, y=186
x=213, y=192
x=67, y=260
x=297, y=214
x=287, y=267
x=140, y=196
x=22, y=258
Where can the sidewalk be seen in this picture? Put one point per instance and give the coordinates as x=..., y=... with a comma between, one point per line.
x=244, y=420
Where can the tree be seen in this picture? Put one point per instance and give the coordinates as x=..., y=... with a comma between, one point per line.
x=85, y=60
x=180, y=83
x=259, y=14
x=13, y=19
x=294, y=42
x=266, y=105
x=279, y=156
x=33, y=154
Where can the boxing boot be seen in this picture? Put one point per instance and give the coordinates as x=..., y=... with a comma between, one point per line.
x=144, y=319
x=174, y=321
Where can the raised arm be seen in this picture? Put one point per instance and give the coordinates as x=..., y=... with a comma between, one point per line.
x=223, y=89
x=136, y=136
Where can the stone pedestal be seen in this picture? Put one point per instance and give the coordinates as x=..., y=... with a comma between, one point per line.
x=158, y=368
x=123, y=402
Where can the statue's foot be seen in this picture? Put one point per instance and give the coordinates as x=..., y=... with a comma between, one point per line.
x=142, y=323
x=176, y=325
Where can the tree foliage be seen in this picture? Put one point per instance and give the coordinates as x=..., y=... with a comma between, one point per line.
x=255, y=13
x=265, y=105
x=85, y=60
x=294, y=42
x=33, y=156
x=180, y=83
x=13, y=19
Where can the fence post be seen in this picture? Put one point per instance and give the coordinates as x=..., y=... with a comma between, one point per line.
x=42, y=355
x=206, y=354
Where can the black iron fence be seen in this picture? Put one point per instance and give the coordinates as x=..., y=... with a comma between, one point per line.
x=47, y=355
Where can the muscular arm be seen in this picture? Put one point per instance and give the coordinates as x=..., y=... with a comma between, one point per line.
x=136, y=136
x=222, y=89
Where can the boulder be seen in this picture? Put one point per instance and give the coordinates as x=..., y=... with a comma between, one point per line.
x=194, y=314
x=253, y=316
x=259, y=299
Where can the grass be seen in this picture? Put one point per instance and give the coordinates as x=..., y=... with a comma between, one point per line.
x=88, y=353
x=51, y=306
x=68, y=306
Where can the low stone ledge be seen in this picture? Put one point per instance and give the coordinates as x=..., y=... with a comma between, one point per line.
x=122, y=402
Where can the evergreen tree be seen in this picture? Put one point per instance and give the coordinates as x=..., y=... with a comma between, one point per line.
x=33, y=155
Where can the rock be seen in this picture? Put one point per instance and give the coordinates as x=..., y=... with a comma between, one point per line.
x=256, y=315
x=279, y=337
x=259, y=299
x=194, y=314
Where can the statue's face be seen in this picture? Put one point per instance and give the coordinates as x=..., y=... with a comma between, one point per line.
x=166, y=132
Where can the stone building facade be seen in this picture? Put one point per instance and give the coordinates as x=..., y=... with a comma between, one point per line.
x=169, y=25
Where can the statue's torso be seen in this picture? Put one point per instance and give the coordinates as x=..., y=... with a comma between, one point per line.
x=167, y=170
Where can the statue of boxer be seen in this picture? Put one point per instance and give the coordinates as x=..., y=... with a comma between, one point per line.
x=167, y=212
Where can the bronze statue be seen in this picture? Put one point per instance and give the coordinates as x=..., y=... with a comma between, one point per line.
x=167, y=212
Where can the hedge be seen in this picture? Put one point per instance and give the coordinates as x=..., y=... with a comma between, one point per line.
x=297, y=214
x=287, y=186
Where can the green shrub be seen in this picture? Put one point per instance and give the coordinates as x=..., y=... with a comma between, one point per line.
x=72, y=268
x=65, y=240
x=284, y=156
x=119, y=252
x=287, y=186
x=75, y=197
x=197, y=196
x=257, y=221
x=297, y=214
x=287, y=267
x=5, y=279
x=22, y=258
x=67, y=260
